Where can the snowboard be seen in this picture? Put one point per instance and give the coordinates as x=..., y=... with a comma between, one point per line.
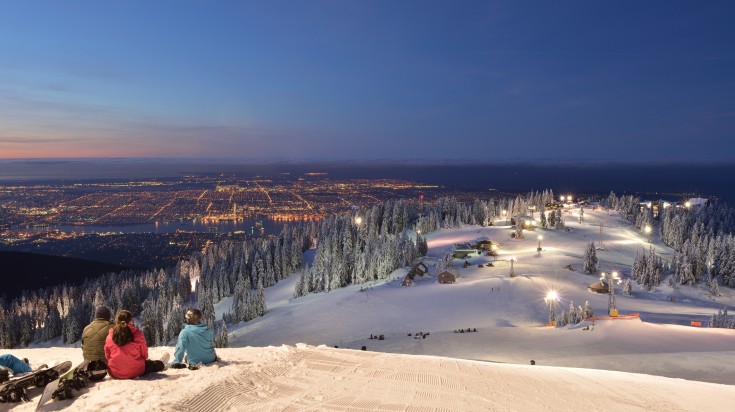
x=75, y=379
x=14, y=390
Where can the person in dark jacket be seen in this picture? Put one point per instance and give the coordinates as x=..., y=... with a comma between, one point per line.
x=127, y=351
x=95, y=334
x=195, y=344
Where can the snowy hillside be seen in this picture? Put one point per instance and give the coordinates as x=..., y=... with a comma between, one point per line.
x=307, y=378
x=508, y=314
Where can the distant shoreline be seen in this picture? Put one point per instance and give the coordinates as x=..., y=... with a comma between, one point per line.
x=694, y=178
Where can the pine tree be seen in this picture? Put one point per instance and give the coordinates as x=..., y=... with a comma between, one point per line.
x=544, y=222
x=714, y=288
x=221, y=340
x=558, y=222
x=590, y=259
x=627, y=287
x=587, y=311
x=422, y=245
x=206, y=304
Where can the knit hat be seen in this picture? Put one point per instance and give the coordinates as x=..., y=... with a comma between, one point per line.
x=103, y=312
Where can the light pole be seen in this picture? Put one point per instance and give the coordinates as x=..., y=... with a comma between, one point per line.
x=538, y=249
x=532, y=209
x=494, y=248
x=512, y=271
x=551, y=298
x=358, y=220
x=611, y=278
x=647, y=229
x=504, y=218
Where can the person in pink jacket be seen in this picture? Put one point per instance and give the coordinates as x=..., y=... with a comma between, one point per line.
x=126, y=350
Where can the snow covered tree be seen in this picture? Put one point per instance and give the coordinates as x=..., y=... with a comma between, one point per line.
x=221, y=340
x=587, y=311
x=552, y=219
x=422, y=245
x=574, y=315
x=444, y=263
x=590, y=259
x=544, y=222
x=518, y=234
x=721, y=320
x=558, y=221
x=714, y=288
x=627, y=287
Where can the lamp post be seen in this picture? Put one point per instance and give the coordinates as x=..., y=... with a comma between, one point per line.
x=551, y=298
x=611, y=278
x=538, y=249
x=647, y=229
x=532, y=209
x=504, y=212
x=494, y=248
x=512, y=271
x=358, y=220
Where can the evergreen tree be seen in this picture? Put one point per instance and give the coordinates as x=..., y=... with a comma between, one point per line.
x=221, y=340
x=422, y=245
x=558, y=222
x=714, y=288
x=590, y=259
x=544, y=222
x=627, y=287
x=587, y=311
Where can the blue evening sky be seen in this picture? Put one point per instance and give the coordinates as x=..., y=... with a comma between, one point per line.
x=341, y=79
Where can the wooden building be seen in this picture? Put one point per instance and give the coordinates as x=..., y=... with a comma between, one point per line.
x=447, y=277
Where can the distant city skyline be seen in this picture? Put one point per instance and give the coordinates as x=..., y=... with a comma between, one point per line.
x=477, y=81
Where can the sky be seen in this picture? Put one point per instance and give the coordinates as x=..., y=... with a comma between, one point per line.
x=369, y=80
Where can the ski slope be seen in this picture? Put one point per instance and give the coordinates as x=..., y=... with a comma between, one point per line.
x=287, y=360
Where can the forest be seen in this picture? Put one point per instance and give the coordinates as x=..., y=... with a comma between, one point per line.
x=356, y=247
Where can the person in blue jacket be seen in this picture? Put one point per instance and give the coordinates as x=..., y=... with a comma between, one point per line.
x=16, y=365
x=195, y=345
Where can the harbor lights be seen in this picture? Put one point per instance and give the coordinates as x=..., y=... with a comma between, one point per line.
x=551, y=298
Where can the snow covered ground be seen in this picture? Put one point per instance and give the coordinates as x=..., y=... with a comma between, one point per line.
x=276, y=362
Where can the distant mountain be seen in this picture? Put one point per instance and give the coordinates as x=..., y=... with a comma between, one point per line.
x=20, y=270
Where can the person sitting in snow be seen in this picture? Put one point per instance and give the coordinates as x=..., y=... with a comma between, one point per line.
x=16, y=365
x=127, y=351
x=93, y=340
x=194, y=345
